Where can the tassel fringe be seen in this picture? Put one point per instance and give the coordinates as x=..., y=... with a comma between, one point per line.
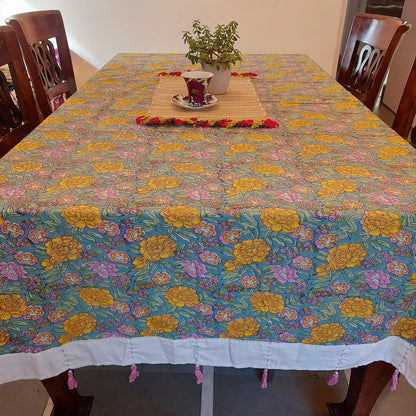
x=198, y=375
x=264, y=379
x=72, y=383
x=133, y=373
x=334, y=379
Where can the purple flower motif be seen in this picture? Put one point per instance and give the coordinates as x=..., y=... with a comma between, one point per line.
x=12, y=271
x=193, y=268
x=376, y=279
x=285, y=274
x=104, y=269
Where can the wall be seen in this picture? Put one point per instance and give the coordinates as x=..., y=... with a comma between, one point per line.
x=98, y=29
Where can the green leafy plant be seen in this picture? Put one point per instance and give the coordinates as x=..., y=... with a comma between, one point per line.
x=212, y=48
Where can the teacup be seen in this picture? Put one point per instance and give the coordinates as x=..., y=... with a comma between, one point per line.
x=197, y=84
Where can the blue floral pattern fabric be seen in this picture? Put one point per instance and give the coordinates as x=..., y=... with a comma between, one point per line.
x=300, y=234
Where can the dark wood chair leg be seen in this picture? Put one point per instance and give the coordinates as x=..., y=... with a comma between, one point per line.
x=66, y=402
x=366, y=384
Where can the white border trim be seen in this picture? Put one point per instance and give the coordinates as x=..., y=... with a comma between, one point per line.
x=219, y=352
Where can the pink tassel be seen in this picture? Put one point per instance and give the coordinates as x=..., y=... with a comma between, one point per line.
x=394, y=378
x=133, y=373
x=72, y=383
x=264, y=379
x=334, y=379
x=198, y=375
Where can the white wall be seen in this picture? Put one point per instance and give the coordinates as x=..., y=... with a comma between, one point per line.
x=98, y=29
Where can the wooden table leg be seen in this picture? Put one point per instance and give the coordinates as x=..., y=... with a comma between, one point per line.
x=366, y=384
x=66, y=402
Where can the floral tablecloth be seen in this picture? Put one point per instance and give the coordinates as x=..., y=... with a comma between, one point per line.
x=291, y=247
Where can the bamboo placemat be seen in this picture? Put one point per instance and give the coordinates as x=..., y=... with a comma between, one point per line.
x=239, y=103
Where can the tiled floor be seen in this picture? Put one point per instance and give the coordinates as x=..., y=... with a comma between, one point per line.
x=172, y=391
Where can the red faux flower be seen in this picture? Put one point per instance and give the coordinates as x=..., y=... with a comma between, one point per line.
x=140, y=119
x=155, y=120
x=270, y=123
x=162, y=73
x=246, y=123
x=202, y=123
x=177, y=73
x=223, y=123
x=179, y=122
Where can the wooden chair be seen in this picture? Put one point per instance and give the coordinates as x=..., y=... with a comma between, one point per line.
x=371, y=44
x=406, y=111
x=50, y=68
x=18, y=112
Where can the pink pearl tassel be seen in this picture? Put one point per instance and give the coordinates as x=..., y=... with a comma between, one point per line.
x=72, y=383
x=133, y=373
x=198, y=375
x=394, y=379
x=264, y=379
x=334, y=379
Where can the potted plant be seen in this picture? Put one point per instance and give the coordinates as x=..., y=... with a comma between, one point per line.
x=215, y=51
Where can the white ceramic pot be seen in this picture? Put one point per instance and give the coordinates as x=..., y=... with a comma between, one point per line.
x=219, y=82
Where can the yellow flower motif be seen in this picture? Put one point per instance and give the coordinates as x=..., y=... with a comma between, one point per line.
x=389, y=152
x=329, y=138
x=188, y=167
x=80, y=113
x=154, y=249
x=108, y=166
x=191, y=136
x=356, y=307
x=181, y=296
x=4, y=338
x=30, y=145
x=242, y=327
x=79, y=324
x=78, y=101
x=314, y=116
x=279, y=219
x=100, y=146
x=161, y=323
x=396, y=140
x=299, y=123
x=287, y=103
x=82, y=216
x=96, y=297
x=161, y=182
x=325, y=333
x=26, y=166
x=242, y=148
x=3, y=179
x=314, y=149
x=405, y=327
x=94, y=94
x=124, y=136
x=247, y=252
x=346, y=255
x=169, y=147
x=124, y=102
x=117, y=120
x=11, y=306
x=411, y=280
x=81, y=181
x=267, y=302
x=61, y=249
x=247, y=185
x=361, y=125
x=181, y=216
x=336, y=186
x=257, y=137
x=267, y=169
x=55, y=120
x=344, y=105
x=352, y=170
x=386, y=224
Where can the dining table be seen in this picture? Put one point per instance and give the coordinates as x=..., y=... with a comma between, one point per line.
x=274, y=230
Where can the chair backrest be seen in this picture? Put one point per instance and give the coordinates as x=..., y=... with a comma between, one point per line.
x=18, y=112
x=370, y=46
x=406, y=111
x=45, y=48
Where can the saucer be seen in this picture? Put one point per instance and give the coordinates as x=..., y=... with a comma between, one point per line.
x=183, y=101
